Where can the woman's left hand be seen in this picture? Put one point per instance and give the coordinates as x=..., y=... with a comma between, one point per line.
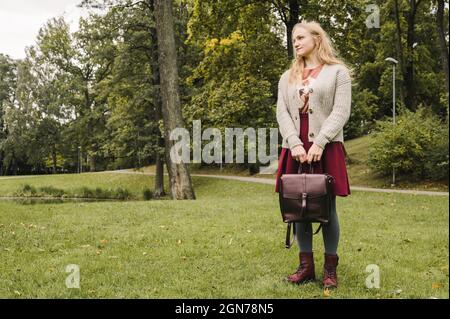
x=314, y=153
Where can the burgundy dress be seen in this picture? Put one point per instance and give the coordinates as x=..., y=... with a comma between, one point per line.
x=332, y=160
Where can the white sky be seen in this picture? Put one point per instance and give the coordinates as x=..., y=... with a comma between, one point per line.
x=20, y=21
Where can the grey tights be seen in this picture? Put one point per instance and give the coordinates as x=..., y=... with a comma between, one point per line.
x=330, y=233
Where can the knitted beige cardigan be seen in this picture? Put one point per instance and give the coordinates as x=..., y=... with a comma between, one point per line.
x=329, y=107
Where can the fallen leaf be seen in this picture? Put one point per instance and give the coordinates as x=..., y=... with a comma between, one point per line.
x=179, y=242
x=98, y=252
x=17, y=292
x=435, y=285
x=397, y=292
x=103, y=241
x=144, y=253
x=326, y=292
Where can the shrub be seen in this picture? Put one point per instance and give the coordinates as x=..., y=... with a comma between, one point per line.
x=29, y=189
x=417, y=146
x=51, y=191
x=121, y=193
x=86, y=192
x=147, y=194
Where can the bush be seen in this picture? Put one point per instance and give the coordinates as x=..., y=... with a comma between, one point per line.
x=86, y=192
x=51, y=191
x=417, y=147
x=121, y=193
x=147, y=194
x=29, y=189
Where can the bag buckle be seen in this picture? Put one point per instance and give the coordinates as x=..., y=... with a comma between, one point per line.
x=304, y=195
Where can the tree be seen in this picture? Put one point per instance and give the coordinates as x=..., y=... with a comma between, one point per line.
x=7, y=84
x=442, y=42
x=406, y=56
x=179, y=177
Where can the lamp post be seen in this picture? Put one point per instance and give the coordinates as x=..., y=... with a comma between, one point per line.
x=394, y=62
x=79, y=159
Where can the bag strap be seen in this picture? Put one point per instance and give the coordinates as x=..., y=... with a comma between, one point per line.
x=318, y=229
x=288, y=243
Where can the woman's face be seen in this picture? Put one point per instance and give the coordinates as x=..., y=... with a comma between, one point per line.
x=303, y=42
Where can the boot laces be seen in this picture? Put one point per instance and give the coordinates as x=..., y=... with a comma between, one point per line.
x=330, y=272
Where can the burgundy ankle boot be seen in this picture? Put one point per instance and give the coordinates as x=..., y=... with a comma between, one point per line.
x=329, y=271
x=305, y=272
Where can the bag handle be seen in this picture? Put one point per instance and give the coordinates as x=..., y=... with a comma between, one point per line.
x=311, y=168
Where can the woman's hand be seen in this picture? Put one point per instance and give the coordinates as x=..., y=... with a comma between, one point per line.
x=314, y=153
x=298, y=153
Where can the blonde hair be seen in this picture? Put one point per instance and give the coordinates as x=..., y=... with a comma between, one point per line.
x=326, y=53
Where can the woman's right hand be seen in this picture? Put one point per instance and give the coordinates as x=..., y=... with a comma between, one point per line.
x=298, y=153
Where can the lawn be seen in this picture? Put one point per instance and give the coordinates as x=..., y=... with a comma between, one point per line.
x=359, y=172
x=228, y=243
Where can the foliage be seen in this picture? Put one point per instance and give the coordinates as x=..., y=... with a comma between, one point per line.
x=92, y=95
x=417, y=146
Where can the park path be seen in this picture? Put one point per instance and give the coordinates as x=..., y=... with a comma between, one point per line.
x=271, y=181
x=268, y=181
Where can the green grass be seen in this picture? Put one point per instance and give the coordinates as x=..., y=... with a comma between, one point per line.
x=86, y=185
x=228, y=243
x=359, y=172
x=362, y=175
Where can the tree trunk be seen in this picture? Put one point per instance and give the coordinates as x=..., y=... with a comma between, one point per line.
x=54, y=159
x=159, y=167
x=292, y=20
x=159, y=177
x=1, y=163
x=442, y=42
x=92, y=164
x=410, y=98
x=399, y=49
x=179, y=177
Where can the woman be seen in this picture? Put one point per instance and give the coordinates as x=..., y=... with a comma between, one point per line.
x=314, y=101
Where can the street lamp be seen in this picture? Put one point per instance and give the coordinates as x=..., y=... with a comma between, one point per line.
x=394, y=62
x=79, y=159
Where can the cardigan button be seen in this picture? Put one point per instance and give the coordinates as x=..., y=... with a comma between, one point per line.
x=296, y=118
x=311, y=134
x=311, y=90
x=310, y=111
